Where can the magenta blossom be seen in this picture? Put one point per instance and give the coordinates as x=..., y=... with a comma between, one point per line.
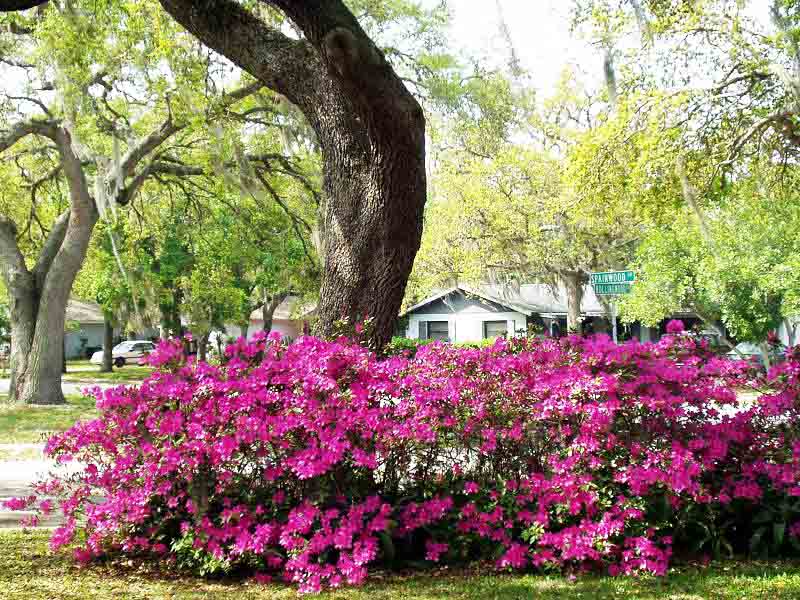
x=675, y=326
x=310, y=461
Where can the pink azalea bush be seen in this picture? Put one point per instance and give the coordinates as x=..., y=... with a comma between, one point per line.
x=311, y=461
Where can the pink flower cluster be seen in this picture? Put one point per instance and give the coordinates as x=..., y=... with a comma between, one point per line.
x=313, y=460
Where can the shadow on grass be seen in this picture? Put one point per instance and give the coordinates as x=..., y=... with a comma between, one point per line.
x=32, y=424
x=28, y=571
x=126, y=374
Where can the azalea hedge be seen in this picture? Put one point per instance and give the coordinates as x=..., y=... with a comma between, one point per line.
x=315, y=460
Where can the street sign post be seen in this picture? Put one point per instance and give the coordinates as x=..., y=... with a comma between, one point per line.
x=612, y=289
x=613, y=283
x=614, y=277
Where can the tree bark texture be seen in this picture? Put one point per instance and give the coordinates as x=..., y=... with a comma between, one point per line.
x=371, y=131
x=108, y=344
x=202, y=347
x=268, y=309
x=39, y=296
x=573, y=282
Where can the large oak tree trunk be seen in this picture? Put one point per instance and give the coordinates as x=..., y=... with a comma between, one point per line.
x=371, y=131
x=372, y=227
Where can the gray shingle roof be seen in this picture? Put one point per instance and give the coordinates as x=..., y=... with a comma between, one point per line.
x=528, y=299
x=84, y=312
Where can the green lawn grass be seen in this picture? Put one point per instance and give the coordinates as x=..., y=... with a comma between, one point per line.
x=31, y=424
x=28, y=571
x=83, y=370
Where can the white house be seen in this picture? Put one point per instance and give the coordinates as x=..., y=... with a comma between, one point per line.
x=87, y=327
x=85, y=330
x=88, y=318
x=465, y=315
x=470, y=314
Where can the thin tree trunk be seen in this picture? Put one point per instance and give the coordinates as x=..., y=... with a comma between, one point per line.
x=245, y=328
x=573, y=282
x=765, y=355
x=37, y=343
x=268, y=310
x=608, y=311
x=108, y=343
x=171, y=325
x=40, y=295
x=710, y=322
x=220, y=348
x=202, y=347
x=23, y=323
x=791, y=330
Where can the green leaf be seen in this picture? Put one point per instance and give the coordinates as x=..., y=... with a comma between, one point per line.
x=763, y=516
x=778, y=531
x=387, y=546
x=756, y=541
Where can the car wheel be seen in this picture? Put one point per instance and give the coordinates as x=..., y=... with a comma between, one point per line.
x=119, y=362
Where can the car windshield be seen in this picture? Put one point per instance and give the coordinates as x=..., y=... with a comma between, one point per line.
x=124, y=346
x=748, y=348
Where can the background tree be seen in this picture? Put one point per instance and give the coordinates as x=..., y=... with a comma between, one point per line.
x=739, y=269
x=555, y=197
x=370, y=129
x=729, y=120
x=56, y=155
x=100, y=280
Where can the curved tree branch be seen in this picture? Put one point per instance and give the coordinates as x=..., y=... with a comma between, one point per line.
x=53, y=243
x=12, y=263
x=15, y=5
x=46, y=128
x=281, y=63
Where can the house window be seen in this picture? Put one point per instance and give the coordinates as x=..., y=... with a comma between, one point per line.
x=434, y=330
x=493, y=329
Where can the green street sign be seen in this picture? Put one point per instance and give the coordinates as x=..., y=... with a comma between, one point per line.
x=612, y=289
x=614, y=277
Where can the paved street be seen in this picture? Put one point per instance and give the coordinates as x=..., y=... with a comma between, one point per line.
x=69, y=387
x=17, y=476
x=16, y=480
